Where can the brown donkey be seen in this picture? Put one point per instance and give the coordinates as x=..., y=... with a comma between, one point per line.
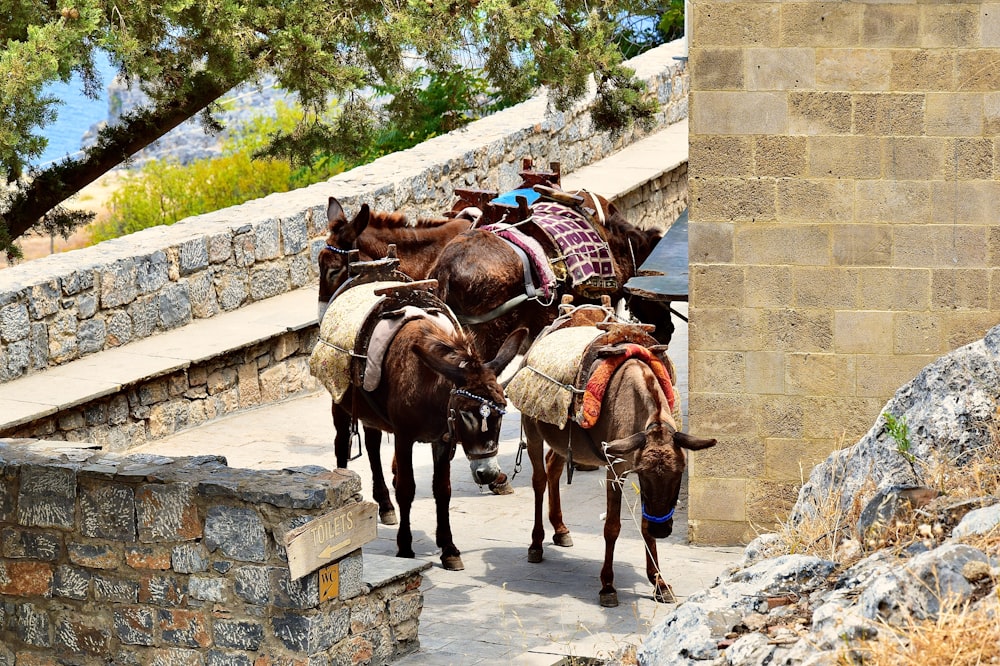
x=417, y=247
x=435, y=388
x=637, y=436
x=492, y=289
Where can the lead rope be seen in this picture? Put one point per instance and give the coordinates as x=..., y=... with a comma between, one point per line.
x=631, y=506
x=521, y=446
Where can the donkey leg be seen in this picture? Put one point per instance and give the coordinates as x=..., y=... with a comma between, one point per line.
x=405, y=491
x=380, y=492
x=451, y=558
x=612, y=528
x=341, y=435
x=554, y=466
x=662, y=592
x=538, y=483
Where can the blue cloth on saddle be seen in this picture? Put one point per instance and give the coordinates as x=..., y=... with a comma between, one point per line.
x=510, y=198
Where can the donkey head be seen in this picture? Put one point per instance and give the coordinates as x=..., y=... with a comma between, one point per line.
x=341, y=239
x=476, y=403
x=658, y=459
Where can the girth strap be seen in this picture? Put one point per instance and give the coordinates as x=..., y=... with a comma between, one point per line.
x=529, y=292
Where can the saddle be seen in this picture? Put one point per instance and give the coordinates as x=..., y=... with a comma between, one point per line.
x=569, y=227
x=564, y=372
x=361, y=321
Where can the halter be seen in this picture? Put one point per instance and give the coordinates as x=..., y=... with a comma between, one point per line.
x=656, y=519
x=486, y=404
x=648, y=516
x=485, y=408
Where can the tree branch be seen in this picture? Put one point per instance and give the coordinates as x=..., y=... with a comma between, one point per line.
x=115, y=144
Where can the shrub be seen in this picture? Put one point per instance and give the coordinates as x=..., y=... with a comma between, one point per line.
x=165, y=191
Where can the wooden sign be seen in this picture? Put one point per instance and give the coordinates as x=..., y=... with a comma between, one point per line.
x=329, y=582
x=330, y=537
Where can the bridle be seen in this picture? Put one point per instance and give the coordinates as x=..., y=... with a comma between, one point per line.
x=343, y=285
x=646, y=515
x=486, y=407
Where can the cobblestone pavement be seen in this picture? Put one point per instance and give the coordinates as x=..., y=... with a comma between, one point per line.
x=500, y=609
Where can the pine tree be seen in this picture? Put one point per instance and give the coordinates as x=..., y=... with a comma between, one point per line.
x=186, y=54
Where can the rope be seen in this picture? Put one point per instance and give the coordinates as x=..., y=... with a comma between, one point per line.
x=568, y=387
x=349, y=352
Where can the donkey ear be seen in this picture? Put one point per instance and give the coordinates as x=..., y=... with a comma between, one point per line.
x=334, y=211
x=621, y=447
x=686, y=441
x=508, y=350
x=436, y=356
x=361, y=220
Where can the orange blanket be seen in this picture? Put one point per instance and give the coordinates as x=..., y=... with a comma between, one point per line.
x=597, y=384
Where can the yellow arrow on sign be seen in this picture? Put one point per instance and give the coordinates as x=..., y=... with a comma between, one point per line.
x=330, y=550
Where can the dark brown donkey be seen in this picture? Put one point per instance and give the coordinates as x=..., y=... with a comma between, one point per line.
x=631, y=431
x=417, y=247
x=436, y=388
x=486, y=284
x=371, y=233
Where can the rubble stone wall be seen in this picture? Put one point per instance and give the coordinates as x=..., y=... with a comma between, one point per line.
x=150, y=560
x=261, y=374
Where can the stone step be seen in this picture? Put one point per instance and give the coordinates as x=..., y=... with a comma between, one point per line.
x=62, y=387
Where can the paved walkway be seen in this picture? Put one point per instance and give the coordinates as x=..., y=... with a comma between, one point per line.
x=500, y=609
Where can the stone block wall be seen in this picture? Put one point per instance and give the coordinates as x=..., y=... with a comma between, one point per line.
x=843, y=228
x=656, y=204
x=261, y=374
x=59, y=308
x=151, y=560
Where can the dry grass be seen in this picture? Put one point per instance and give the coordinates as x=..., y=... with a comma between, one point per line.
x=960, y=635
x=829, y=531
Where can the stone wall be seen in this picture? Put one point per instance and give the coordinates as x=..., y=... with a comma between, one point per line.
x=150, y=560
x=60, y=308
x=843, y=228
x=262, y=373
x=659, y=202
x=243, y=378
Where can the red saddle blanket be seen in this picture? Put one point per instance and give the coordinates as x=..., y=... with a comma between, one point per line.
x=597, y=384
x=587, y=255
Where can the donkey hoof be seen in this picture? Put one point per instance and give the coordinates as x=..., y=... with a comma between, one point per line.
x=664, y=595
x=388, y=517
x=609, y=599
x=534, y=555
x=502, y=486
x=452, y=562
x=563, y=539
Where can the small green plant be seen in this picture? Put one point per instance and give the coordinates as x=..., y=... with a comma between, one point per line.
x=900, y=434
x=164, y=191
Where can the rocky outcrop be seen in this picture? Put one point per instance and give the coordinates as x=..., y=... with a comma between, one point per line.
x=191, y=140
x=903, y=544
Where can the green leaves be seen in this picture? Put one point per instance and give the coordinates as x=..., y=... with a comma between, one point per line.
x=447, y=61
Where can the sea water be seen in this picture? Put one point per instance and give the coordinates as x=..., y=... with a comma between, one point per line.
x=76, y=114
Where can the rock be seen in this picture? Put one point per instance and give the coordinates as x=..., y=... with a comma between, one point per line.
x=774, y=608
x=948, y=408
x=978, y=521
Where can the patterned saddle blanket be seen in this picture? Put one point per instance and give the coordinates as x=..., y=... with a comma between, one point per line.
x=586, y=253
